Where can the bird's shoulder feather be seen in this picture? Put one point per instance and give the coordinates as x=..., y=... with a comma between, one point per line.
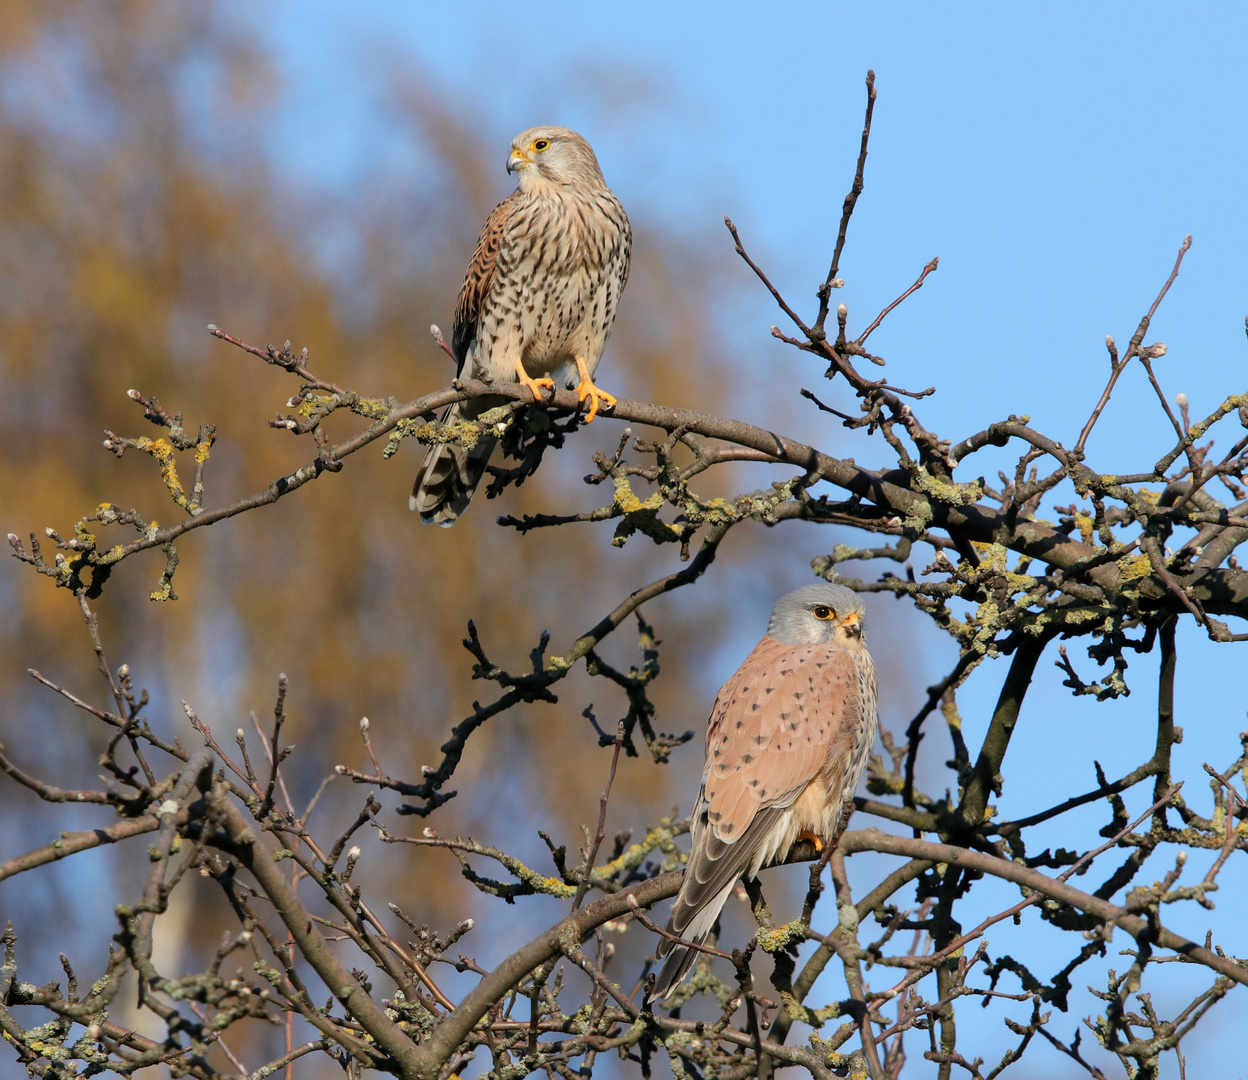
x=479, y=277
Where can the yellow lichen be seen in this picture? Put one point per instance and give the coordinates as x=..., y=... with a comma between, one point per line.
x=371, y=408
x=162, y=452
x=312, y=404
x=641, y=515
x=779, y=939
x=1133, y=568
x=660, y=837
x=1086, y=526
x=947, y=491
x=628, y=502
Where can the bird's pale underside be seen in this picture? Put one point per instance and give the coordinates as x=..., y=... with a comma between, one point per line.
x=786, y=744
x=540, y=295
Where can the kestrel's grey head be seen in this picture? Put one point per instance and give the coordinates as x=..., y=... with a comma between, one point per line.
x=819, y=614
x=553, y=155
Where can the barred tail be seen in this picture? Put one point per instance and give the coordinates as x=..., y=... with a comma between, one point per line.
x=448, y=477
x=691, y=924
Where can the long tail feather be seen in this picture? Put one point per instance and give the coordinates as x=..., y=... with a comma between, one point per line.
x=697, y=928
x=448, y=477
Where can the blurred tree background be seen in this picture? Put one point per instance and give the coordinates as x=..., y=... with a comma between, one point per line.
x=140, y=200
x=137, y=205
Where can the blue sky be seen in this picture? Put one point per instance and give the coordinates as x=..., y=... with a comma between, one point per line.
x=1054, y=159
x=1053, y=156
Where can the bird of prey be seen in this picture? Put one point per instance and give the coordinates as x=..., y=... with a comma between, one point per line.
x=786, y=743
x=540, y=295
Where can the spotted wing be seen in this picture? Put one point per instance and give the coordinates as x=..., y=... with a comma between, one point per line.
x=475, y=291
x=768, y=737
x=772, y=731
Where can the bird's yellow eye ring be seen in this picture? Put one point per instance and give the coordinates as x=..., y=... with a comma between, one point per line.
x=823, y=613
x=541, y=144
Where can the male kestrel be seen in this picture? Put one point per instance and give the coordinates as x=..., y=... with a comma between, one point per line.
x=785, y=745
x=540, y=294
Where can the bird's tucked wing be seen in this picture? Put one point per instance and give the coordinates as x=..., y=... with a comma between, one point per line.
x=771, y=728
x=478, y=279
x=769, y=736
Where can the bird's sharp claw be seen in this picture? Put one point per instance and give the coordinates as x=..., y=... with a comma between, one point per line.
x=586, y=389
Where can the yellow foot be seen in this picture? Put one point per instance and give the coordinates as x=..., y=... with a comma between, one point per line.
x=533, y=384
x=586, y=389
x=806, y=834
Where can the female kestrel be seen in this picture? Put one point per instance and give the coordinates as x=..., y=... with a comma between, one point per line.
x=785, y=745
x=540, y=294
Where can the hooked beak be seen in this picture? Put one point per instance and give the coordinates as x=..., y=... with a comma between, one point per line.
x=518, y=160
x=852, y=625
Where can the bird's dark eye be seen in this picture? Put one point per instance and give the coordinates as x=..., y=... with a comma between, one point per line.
x=541, y=144
x=824, y=613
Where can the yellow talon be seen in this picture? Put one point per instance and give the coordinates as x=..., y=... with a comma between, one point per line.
x=586, y=389
x=533, y=384
x=806, y=834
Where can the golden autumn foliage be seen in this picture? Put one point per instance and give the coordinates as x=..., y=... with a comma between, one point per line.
x=138, y=205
